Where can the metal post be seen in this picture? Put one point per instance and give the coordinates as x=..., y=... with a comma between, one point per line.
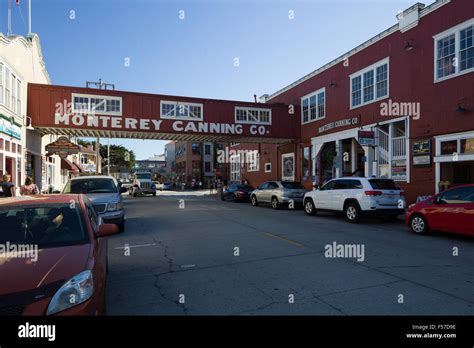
x=29, y=17
x=9, y=28
x=108, y=158
x=98, y=165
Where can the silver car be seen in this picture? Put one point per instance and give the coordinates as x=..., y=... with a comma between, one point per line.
x=105, y=195
x=277, y=193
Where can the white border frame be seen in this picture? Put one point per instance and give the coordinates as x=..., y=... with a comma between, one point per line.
x=361, y=73
x=96, y=96
x=177, y=103
x=283, y=156
x=453, y=30
x=265, y=167
x=308, y=96
x=247, y=108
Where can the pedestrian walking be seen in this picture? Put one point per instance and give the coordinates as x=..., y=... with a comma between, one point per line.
x=29, y=188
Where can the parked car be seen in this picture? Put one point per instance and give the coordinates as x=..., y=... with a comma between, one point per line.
x=65, y=274
x=449, y=211
x=105, y=194
x=237, y=192
x=158, y=185
x=277, y=193
x=355, y=197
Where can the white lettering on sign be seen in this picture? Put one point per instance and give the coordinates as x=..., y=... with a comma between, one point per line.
x=128, y=123
x=339, y=123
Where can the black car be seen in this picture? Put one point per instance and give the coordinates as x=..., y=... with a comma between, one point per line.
x=237, y=192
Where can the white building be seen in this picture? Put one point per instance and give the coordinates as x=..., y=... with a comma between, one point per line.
x=21, y=147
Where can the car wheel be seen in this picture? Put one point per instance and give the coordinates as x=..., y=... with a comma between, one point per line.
x=222, y=197
x=275, y=203
x=154, y=194
x=254, y=201
x=352, y=212
x=234, y=199
x=309, y=207
x=121, y=227
x=418, y=224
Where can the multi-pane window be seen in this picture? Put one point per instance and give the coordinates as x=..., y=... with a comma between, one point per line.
x=235, y=168
x=370, y=84
x=1, y=83
x=7, y=87
x=253, y=164
x=382, y=80
x=466, y=48
x=18, y=109
x=253, y=115
x=313, y=106
x=91, y=104
x=356, y=90
x=13, y=106
x=207, y=149
x=178, y=110
x=368, y=80
x=304, y=110
x=446, y=56
x=454, y=51
x=207, y=166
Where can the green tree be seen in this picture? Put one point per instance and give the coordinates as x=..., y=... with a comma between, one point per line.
x=118, y=156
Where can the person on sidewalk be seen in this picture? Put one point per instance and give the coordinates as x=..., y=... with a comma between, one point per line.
x=29, y=188
x=9, y=189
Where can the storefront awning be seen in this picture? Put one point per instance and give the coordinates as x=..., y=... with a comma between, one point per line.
x=72, y=167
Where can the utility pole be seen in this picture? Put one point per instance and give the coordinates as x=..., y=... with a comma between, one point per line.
x=100, y=85
x=9, y=29
x=108, y=158
x=29, y=17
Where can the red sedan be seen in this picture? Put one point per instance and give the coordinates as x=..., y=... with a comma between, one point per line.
x=53, y=259
x=448, y=211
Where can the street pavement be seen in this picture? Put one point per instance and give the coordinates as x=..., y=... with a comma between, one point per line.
x=189, y=253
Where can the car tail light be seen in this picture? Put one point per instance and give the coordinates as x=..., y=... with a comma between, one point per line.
x=373, y=193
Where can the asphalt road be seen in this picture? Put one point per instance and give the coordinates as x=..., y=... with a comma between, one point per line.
x=183, y=260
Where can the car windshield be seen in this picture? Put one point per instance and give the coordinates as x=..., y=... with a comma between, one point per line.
x=45, y=225
x=380, y=184
x=143, y=176
x=292, y=185
x=91, y=186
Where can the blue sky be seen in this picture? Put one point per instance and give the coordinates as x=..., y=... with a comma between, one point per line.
x=194, y=56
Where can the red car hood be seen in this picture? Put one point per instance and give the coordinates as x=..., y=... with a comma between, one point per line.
x=53, y=264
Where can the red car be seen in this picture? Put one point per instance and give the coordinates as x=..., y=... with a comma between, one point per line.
x=449, y=211
x=53, y=259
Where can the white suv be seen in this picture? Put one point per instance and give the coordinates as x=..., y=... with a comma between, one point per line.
x=356, y=196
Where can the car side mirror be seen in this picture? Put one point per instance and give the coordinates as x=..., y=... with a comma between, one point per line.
x=316, y=186
x=106, y=230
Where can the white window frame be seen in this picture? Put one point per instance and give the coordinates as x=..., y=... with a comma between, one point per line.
x=235, y=168
x=18, y=96
x=308, y=97
x=247, y=110
x=93, y=96
x=253, y=161
x=361, y=73
x=2, y=83
x=268, y=170
x=177, y=104
x=456, y=30
x=13, y=88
